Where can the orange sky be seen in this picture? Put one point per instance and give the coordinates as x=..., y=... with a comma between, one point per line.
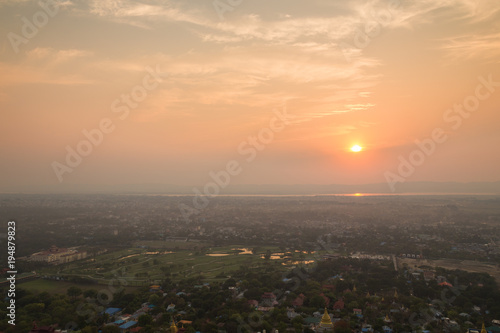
x=201, y=80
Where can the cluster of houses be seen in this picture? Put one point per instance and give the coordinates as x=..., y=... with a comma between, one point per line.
x=127, y=322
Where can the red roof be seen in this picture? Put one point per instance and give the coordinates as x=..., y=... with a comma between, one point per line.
x=299, y=301
x=268, y=295
x=253, y=302
x=339, y=305
x=327, y=300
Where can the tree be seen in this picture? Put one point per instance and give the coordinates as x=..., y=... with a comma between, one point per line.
x=317, y=302
x=282, y=327
x=110, y=329
x=341, y=326
x=91, y=293
x=74, y=292
x=89, y=329
x=34, y=307
x=154, y=299
x=144, y=320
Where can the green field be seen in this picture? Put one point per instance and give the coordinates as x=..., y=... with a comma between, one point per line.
x=140, y=266
x=56, y=287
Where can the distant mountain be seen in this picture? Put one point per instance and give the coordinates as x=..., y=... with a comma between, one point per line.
x=269, y=189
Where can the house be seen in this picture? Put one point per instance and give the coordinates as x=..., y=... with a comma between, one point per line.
x=290, y=313
x=428, y=276
x=367, y=328
x=127, y=325
x=493, y=329
x=339, y=305
x=265, y=308
x=253, y=303
x=440, y=279
x=312, y=321
x=387, y=329
x=112, y=311
x=327, y=300
x=329, y=287
x=154, y=288
x=41, y=329
x=268, y=299
x=358, y=313
x=299, y=301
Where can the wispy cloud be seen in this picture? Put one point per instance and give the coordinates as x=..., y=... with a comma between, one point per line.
x=477, y=47
x=46, y=65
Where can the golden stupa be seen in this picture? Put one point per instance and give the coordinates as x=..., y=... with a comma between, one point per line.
x=326, y=322
x=173, y=327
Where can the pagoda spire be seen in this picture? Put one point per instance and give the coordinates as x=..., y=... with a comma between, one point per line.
x=173, y=327
x=326, y=321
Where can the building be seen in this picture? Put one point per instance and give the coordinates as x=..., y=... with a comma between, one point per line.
x=56, y=256
x=326, y=324
x=268, y=299
x=41, y=329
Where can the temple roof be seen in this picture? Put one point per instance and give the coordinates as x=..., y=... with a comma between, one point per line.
x=326, y=321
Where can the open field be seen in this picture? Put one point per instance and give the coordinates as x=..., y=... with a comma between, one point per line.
x=139, y=266
x=57, y=287
x=172, y=244
x=452, y=264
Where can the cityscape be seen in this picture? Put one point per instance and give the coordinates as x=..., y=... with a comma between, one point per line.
x=363, y=263
x=250, y=166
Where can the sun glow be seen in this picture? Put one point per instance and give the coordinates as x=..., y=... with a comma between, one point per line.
x=356, y=148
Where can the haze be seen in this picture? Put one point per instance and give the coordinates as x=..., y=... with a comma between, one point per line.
x=365, y=73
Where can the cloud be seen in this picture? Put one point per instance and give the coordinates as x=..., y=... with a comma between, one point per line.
x=137, y=13
x=46, y=65
x=474, y=47
x=56, y=56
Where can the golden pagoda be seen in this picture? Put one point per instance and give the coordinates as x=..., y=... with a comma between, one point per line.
x=354, y=289
x=483, y=329
x=326, y=322
x=395, y=294
x=368, y=295
x=173, y=327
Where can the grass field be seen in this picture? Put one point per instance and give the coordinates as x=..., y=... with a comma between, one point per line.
x=465, y=265
x=57, y=287
x=140, y=266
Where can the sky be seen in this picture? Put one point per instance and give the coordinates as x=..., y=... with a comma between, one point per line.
x=110, y=92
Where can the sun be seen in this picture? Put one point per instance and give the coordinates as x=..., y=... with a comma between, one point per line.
x=356, y=148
